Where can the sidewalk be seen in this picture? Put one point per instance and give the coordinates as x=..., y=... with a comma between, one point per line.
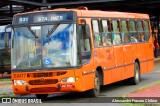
x=157, y=59
x=5, y=85
x=6, y=88
x=150, y=91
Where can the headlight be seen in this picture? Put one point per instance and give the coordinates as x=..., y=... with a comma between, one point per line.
x=19, y=82
x=69, y=79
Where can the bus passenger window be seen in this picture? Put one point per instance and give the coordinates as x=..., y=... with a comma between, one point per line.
x=115, y=33
x=96, y=33
x=133, y=32
x=140, y=35
x=146, y=30
x=104, y=26
x=124, y=32
x=106, y=35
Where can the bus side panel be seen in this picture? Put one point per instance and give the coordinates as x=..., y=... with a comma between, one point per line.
x=128, y=60
x=141, y=56
x=108, y=76
x=88, y=76
x=143, y=67
x=109, y=64
x=143, y=62
x=138, y=52
x=128, y=72
x=117, y=74
x=135, y=54
x=78, y=73
x=119, y=63
x=100, y=57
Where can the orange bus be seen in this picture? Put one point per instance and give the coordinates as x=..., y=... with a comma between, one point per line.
x=77, y=50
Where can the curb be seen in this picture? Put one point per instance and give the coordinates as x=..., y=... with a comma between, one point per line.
x=2, y=83
x=156, y=60
x=5, y=82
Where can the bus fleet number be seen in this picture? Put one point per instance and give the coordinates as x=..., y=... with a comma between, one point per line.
x=19, y=75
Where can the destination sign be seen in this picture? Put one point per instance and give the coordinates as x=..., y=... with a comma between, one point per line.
x=50, y=17
x=43, y=17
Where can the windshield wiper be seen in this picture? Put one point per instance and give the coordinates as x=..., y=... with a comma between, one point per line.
x=53, y=29
x=31, y=31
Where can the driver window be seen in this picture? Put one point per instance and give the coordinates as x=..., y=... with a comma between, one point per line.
x=84, y=45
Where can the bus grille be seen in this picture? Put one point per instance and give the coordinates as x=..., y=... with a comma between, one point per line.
x=45, y=74
x=43, y=90
x=43, y=82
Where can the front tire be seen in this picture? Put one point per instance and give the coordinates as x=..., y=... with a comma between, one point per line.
x=96, y=90
x=42, y=96
x=135, y=80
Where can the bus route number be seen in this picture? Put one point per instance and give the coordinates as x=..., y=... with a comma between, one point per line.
x=23, y=20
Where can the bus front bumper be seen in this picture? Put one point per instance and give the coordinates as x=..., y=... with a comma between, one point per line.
x=48, y=89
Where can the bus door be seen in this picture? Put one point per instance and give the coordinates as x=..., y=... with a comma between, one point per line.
x=87, y=61
x=118, y=51
x=128, y=52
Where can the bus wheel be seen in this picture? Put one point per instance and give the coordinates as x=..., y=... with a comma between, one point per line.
x=42, y=96
x=96, y=90
x=135, y=80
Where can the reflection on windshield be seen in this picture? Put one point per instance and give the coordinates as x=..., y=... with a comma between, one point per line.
x=57, y=50
x=60, y=49
x=24, y=51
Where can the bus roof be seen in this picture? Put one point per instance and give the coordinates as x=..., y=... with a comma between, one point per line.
x=111, y=14
x=97, y=13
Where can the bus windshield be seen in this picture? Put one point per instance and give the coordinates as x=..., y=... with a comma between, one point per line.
x=58, y=49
